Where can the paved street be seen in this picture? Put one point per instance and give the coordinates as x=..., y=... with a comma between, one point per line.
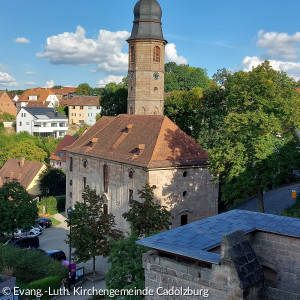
x=275, y=201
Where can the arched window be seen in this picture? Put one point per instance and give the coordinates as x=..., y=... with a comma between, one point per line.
x=132, y=54
x=105, y=209
x=156, y=54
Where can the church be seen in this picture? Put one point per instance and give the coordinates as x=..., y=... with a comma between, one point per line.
x=118, y=155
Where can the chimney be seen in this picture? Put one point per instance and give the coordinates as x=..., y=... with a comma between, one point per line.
x=22, y=161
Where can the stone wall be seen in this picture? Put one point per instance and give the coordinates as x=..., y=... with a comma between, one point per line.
x=200, y=201
x=216, y=281
x=281, y=254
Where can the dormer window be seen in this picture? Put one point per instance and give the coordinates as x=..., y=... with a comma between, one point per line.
x=128, y=128
x=139, y=149
x=92, y=142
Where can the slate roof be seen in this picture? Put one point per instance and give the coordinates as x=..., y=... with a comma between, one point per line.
x=65, y=142
x=196, y=239
x=161, y=143
x=147, y=21
x=24, y=175
x=49, y=112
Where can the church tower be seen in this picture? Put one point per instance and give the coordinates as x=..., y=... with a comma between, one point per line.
x=146, y=61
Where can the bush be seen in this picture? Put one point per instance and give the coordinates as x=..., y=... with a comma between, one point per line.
x=46, y=284
x=50, y=203
x=30, y=265
x=61, y=203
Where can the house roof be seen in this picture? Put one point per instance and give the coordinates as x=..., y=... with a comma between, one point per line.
x=66, y=141
x=83, y=101
x=42, y=94
x=147, y=141
x=64, y=90
x=24, y=175
x=47, y=112
x=38, y=104
x=196, y=239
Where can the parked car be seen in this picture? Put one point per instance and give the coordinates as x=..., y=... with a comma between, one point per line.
x=56, y=254
x=33, y=231
x=31, y=241
x=44, y=222
x=17, y=233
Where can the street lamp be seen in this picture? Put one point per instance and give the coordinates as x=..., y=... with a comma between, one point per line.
x=70, y=211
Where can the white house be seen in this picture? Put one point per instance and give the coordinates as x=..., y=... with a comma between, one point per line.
x=41, y=121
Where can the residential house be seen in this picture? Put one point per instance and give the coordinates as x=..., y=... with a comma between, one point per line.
x=118, y=155
x=64, y=92
x=41, y=121
x=58, y=158
x=37, y=95
x=6, y=104
x=27, y=173
x=83, y=109
x=235, y=255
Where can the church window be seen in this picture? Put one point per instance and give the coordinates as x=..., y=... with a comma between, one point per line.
x=105, y=209
x=155, y=89
x=132, y=54
x=85, y=163
x=71, y=182
x=185, y=173
x=130, y=174
x=156, y=54
x=84, y=182
x=130, y=196
x=71, y=164
x=183, y=220
x=184, y=194
x=70, y=194
x=105, y=175
x=131, y=110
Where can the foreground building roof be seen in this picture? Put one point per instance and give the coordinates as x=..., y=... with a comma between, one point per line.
x=82, y=101
x=195, y=240
x=20, y=170
x=45, y=113
x=65, y=142
x=147, y=141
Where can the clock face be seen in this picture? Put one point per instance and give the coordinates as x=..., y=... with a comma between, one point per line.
x=131, y=75
x=156, y=75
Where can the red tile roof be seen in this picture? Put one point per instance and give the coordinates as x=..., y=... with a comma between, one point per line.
x=65, y=90
x=65, y=142
x=42, y=94
x=82, y=101
x=13, y=169
x=38, y=104
x=148, y=141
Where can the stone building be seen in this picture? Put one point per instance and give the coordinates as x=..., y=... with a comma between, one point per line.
x=234, y=255
x=119, y=154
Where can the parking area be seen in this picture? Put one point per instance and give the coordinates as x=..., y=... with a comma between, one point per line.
x=54, y=238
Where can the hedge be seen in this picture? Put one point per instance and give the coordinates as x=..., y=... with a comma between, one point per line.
x=52, y=283
x=61, y=203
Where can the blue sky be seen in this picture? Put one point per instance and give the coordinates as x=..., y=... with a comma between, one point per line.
x=68, y=42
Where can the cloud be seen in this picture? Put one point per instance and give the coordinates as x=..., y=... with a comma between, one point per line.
x=31, y=83
x=279, y=45
x=30, y=73
x=76, y=49
x=22, y=40
x=171, y=55
x=7, y=80
x=291, y=68
x=49, y=84
x=110, y=78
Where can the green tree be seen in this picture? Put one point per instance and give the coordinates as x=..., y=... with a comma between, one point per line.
x=63, y=110
x=221, y=76
x=257, y=147
x=53, y=182
x=147, y=216
x=183, y=108
x=6, y=117
x=83, y=89
x=184, y=77
x=114, y=99
x=91, y=228
x=17, y=208
x=126, y=271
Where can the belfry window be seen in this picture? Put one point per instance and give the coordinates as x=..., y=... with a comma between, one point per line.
x=105, y=175
x=132, y=54
x=156, y=54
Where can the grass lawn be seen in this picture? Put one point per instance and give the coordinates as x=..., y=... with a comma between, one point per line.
x=54, y=221
x=294, y=210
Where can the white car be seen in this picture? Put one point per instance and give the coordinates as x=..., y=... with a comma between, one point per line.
x=17, y=233
x=32, y=231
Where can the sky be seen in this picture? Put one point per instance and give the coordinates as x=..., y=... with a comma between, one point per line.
x=68, y=42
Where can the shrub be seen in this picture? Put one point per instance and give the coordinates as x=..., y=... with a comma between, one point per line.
x=50, y=203
x=61, y=203
x=30, y=265
x=46, y=284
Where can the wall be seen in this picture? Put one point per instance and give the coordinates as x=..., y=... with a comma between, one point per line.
x=186, y=191
x=7, y=105
x=34, y=186
x=26, y=122
x=76, y=114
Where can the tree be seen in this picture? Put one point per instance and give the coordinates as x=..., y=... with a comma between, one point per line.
x=126, y=271
x=221, y=76
x=114, y=99
x=17, y=208
x=257, y=148
x=184, y=77
x=91, y=228
x=147, y=216
x=63, y=110
x=83, y=89
x=53, y=182
x=183, y=108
